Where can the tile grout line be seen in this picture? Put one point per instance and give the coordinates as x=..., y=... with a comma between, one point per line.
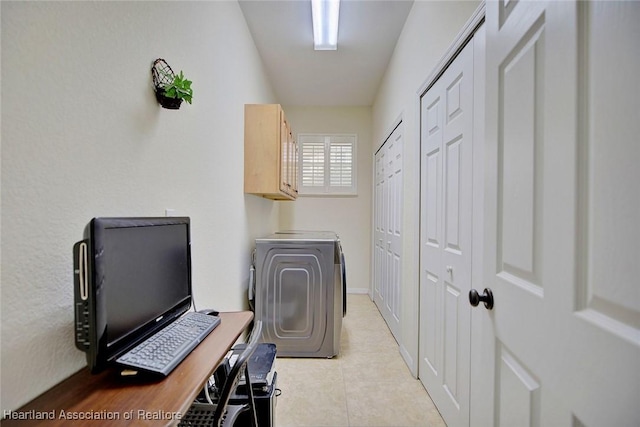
x=346, y=399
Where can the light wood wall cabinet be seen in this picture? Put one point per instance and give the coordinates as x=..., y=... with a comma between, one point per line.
x=270, y=153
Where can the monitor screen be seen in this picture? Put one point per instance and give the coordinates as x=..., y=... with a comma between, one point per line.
x=133, y=278
x=145, y=272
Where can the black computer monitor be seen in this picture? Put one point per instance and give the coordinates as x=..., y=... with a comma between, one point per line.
x=132, y=276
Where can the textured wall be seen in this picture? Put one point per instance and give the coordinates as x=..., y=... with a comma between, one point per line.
x=83, y=136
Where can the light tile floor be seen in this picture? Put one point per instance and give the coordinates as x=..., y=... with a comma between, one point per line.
x=367, y=384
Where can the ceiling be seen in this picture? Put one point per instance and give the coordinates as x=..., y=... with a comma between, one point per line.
x=367, y=35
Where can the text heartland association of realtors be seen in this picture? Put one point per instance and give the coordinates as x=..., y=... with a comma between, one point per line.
x=139, y=414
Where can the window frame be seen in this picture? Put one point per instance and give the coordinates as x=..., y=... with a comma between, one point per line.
x=327, y=190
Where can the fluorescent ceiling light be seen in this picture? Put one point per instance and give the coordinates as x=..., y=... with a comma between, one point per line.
x=325, y=15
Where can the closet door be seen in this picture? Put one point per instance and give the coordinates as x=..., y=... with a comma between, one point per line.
x=388, y=235
x=379, y=269
x=446, y=225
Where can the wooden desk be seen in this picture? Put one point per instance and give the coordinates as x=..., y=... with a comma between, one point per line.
x=122, y=401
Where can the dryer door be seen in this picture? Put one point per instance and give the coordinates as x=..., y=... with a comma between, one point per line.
x=292, y=298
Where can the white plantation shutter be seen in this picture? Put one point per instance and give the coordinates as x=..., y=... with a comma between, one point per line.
x=340, y=164
x=312, y=158
x=327, y=164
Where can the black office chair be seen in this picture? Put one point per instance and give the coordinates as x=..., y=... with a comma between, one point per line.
x=222, y=413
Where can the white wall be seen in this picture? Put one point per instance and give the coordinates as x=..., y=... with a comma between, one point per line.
x=430, y=29
x=83, y=136
x=350, y=217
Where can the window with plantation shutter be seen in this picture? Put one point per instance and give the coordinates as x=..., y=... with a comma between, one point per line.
x=327, y=164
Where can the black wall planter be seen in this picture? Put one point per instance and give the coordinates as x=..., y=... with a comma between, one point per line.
x=166, y=102
x=163, y=75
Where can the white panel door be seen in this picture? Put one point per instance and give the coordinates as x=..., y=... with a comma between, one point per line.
x=561, y=346
x=388, y=224
x=446, y=226
x=379, y=271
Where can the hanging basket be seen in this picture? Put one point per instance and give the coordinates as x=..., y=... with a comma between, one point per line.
x=166, y=102
x=163, y=75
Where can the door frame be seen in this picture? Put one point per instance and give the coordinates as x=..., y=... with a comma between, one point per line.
x=463, y=37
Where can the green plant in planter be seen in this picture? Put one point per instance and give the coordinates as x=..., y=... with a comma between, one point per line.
x=180, y=88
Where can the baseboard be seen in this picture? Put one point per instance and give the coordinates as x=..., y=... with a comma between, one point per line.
x=358, y=291
x=413, y=368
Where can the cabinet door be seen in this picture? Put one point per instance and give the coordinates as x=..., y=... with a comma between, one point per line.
x=268, y=152
x=284, y=154
x=290, y=154
x=293, y=166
